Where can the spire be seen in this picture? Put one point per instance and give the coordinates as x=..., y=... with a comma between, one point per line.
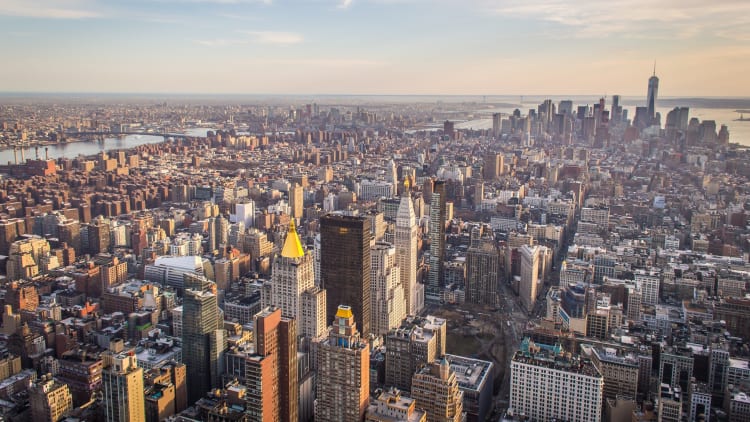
x=654, y=67
x=292, y=245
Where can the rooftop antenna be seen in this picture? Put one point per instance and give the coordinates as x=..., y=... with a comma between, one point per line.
x=654, y=67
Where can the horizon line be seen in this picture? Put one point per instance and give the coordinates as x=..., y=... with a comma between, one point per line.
x=121, y=93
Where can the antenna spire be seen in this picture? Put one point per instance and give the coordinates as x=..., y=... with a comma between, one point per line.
x=654, y=67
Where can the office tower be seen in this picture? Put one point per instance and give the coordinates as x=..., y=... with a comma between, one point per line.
x=312, y=323
x=653, y=91
x=482, y=272
x=345, y=266
x=203, y=340
x=244, y=212
x=493, y=166
x=648, y=284
x=529, y=276
x=49, y=399
x=475, y=380
x=388, y=306
x=296, y=200
x=620, y=373
x=122, y=387
x=343, y=381
x=435, y=389
x=497, y=124
x=406, y=253
x=418, y=342
x=273, y=392
x=435, y=281
x=546, y=383
x=292, y=274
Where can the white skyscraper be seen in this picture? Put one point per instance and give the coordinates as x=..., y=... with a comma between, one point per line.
x=388, y=306
x=292, y=274
x=244, y=212
x=406, y=254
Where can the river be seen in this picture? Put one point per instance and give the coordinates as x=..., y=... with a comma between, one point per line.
x=75, y=149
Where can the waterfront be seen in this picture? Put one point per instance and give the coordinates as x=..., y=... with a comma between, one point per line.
x=85, y=148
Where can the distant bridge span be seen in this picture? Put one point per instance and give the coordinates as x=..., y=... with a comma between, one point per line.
x=110, y=133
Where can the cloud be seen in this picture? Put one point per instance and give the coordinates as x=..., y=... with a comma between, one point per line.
x=345, y=4
x=47, y=9
x=274, y=37
x=632, y=18
x=255, y=37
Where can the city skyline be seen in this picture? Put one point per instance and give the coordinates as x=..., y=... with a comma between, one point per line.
x=395, y=47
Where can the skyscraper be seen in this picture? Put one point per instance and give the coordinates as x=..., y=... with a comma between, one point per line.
x=406, y=253
x=529, y=276
x=272, y=371
x=387, y=295
x=343, y=381
x=292, y=274
x=436, y=280
x=296, y=201
x=482, y=272
x=345, y=265
x=547, y=383
x=122, y=385
x=203, y=340
x=435, y=389
x=653, y=91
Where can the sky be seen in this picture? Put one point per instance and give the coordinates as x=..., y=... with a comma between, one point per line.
x=439, y=47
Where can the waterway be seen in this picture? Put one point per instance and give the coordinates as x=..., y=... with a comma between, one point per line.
x=85, y=148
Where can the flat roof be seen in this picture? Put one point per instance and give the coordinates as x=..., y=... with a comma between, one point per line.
x=471, y=374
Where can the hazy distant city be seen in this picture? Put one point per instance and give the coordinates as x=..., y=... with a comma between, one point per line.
x=374, y=211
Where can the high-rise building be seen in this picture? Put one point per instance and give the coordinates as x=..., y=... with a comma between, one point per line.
x=436, y=278
x=653, y=91
x=620, y=373
x=435, y=389
x=497, y=124
x=49, y=399
x=493, y=166
x=345, y=266
x=546, y=384
x=271, y=373
x=343, y=381
x=418, y=342
x=293, y=273
x=406, y=253
x=482, y=272
x=388, y=306
x=122, y=385
x=312, y=322
x=296, y=201
x=98, y=236
x=529, y=275
x=203, y=340
x=244, y=212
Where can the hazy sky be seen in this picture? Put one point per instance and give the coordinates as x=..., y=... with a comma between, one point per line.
x=484, y=47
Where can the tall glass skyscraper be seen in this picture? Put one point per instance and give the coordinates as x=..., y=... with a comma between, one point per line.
x=345, y=265
x=203, y=340
x=653, y=91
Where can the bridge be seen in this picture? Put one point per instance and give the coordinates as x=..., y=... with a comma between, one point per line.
x=110, y=133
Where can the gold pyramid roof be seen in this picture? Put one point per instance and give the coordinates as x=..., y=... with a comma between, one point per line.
x=292, y=245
